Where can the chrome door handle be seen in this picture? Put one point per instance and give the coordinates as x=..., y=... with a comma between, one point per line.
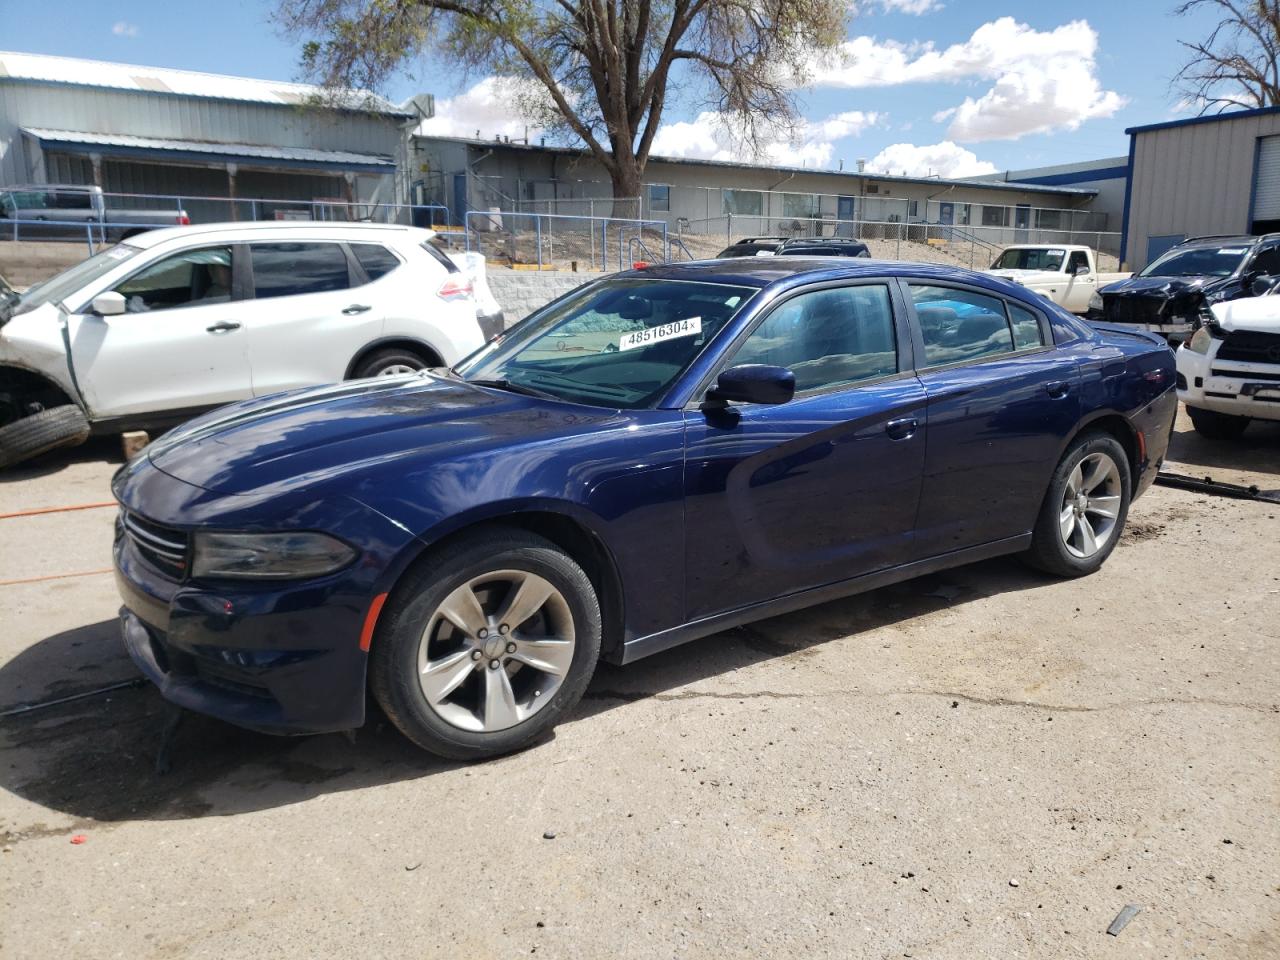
x=355, y=308
x=223, y=326
x=903, y=429
x=1057, y=388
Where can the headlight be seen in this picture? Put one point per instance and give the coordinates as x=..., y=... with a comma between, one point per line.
x=1095, y=302
x=1200, y=341
x=268, y=556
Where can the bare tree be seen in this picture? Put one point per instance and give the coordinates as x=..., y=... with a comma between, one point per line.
x=1238, y=63
x=604, y=69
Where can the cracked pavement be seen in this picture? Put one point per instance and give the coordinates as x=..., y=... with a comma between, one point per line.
x=867, y=778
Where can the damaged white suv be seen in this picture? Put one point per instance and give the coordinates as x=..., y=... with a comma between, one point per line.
x=1229, y=371
x=176, y=321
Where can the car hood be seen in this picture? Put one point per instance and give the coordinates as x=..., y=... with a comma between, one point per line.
x=1168, y=287
x=300, y=438
x=1261, y=314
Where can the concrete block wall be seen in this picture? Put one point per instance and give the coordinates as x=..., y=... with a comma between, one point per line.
x=520, y=292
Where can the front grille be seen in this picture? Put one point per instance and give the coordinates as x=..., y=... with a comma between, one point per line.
x=163, y=547
x=1250, y=346
x=1245, y=374
x=1132, y=309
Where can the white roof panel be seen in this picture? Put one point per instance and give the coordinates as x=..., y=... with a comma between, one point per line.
x=40, y=68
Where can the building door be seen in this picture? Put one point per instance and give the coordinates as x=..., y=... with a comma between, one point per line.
x=460, y=206
x=844, y=214
x=946, y=215
x=1265, y=216
x=1021, y=222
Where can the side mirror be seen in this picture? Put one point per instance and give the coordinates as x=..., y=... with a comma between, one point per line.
x=1261, y=286
x=1082, y=270
x=752, y=383
x=109, y=304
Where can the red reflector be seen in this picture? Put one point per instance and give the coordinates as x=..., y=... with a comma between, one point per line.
x=639, y=264
x=184, y=221
x=371, y=621
x=454, y=288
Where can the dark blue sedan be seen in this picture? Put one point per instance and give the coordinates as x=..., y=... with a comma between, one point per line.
x=652, y=458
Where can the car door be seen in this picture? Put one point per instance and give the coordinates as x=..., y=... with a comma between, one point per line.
x=179, y=346
x=1081, y=283
x=311, y=312
x=1001, y=402
x=819, y=489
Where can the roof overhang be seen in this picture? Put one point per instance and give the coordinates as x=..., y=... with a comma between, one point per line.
x=249, y=156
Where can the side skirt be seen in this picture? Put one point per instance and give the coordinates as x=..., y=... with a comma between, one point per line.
x=666, y=639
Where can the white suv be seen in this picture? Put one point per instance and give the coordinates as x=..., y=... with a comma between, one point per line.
x=1229, y=371
x=179, y=320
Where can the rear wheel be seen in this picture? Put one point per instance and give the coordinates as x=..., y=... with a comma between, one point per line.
x=487, y=645
x=391, y=362
x=37, y=433
x=1084, y=510
x=1217, y=426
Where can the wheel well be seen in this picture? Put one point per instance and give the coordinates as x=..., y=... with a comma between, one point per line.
x=19, y=387
x=428, y=355
x=579, y=543
x=1120, y=428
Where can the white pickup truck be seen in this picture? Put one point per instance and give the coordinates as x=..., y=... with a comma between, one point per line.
x=1067, y=275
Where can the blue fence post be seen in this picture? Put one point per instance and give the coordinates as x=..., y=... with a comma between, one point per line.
x=88, y=229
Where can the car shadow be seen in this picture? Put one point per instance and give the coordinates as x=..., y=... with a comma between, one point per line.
x=1256, y=451
x=94, y=758
x=104, y=449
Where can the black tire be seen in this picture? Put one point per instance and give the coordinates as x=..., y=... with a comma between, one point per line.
x=64, y=426
x=378, y=362
x=1048, y=551
x=1217, y=426
x=393, y=666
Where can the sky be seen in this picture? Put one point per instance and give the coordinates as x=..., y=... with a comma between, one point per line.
x=945, y=87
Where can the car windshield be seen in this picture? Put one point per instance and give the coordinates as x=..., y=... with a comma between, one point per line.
x=1037, y=258
x=1198, y=262
x=63, y=285
x=617, y=343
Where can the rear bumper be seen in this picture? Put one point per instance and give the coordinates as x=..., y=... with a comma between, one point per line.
x=1235, y=389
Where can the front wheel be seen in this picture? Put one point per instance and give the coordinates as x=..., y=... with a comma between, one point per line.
x=486, y=645
x=1217, y=426
x=1084, y=510
x=390, y=362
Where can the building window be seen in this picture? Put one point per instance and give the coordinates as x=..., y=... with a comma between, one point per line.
x=659, y=198
x=1048, y=219
x=913, y=210
x=747, y=203
x=995, y=216
x=966, y=211
x=800, y=205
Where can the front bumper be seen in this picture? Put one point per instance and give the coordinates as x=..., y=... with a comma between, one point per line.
x=1233, y=388
x=277, y=656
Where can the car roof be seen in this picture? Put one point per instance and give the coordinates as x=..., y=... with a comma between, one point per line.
x=300, y=229
x=763, y=272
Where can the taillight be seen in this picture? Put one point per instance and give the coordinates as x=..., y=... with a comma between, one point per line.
x=184, y=220
x=456, y=287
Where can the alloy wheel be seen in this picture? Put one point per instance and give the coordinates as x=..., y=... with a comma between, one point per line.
x=496, y=650
x=1090, y=506
x=395, y=370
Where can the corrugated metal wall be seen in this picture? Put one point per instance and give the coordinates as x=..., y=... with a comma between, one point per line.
x=184, y=118
x=1193, y=180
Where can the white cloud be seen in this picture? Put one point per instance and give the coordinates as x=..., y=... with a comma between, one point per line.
x=710, y=137
x=945, y=159
x=486, y=110
x=122, y=28
x=916, y=8
x=1043, y=79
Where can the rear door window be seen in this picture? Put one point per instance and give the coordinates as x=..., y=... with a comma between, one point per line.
x=376, y=259
x=959, y=325
x=292, y=269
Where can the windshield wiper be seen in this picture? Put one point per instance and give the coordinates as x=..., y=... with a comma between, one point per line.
x=510, y=387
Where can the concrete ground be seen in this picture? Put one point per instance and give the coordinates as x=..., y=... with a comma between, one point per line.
x=984, y=763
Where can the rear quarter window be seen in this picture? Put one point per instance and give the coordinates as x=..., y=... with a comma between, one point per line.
x=376, y=259
x=434, y=252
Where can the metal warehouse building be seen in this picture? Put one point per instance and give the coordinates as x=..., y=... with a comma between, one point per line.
x=1201, y=176
x=132, y=129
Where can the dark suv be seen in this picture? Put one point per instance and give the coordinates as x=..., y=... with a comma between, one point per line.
x=1166, y=297
x=796, y=247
